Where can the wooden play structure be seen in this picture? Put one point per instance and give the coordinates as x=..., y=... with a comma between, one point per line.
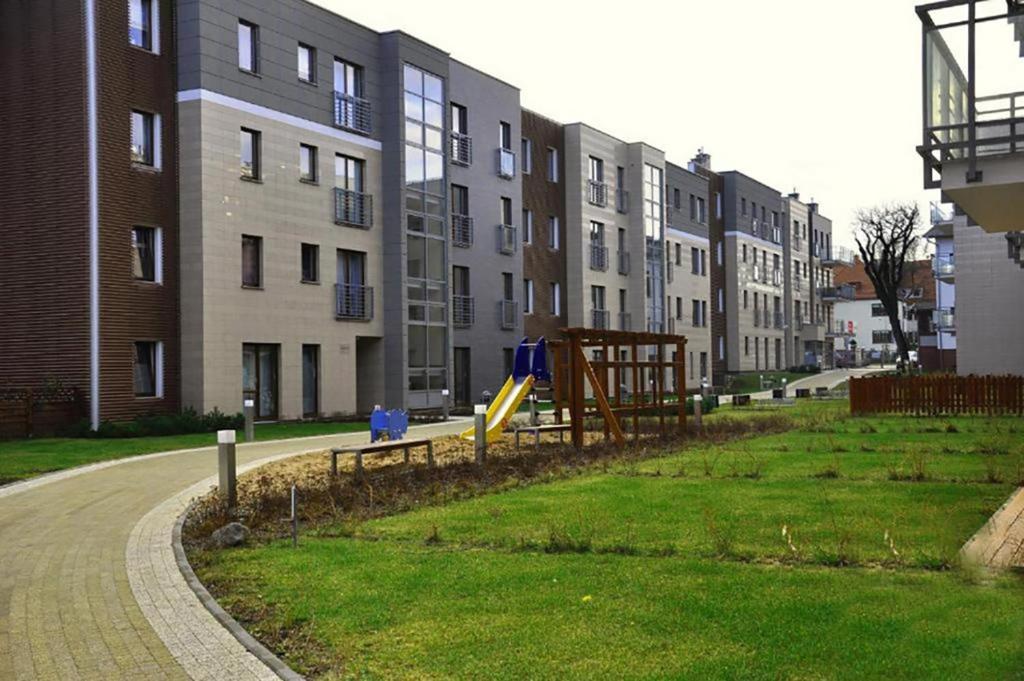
x=627, y=373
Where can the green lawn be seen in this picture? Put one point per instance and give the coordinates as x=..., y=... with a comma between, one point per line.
x=20, y=459
x=750, y=382
x=673, y=567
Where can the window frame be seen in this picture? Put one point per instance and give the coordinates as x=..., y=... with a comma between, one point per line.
x=256, y=166
x=258, y=241
x=526, y=164
x=311, y=65
x=157, y=255
x=314, y=164
x=151, y=129
x=314, y=249
x=150, y=10
x=254, y=47
x=552, y=162
x=556, y=298
x=156, y=369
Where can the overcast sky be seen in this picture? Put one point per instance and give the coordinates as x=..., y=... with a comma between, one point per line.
x=806, y=94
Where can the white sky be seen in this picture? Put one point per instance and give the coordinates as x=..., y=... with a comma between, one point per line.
x=820, y=96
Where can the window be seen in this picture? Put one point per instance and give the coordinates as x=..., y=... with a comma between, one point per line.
x=720, y=253
x=527, y=226
x=310, y=263
x=677, y=202
x=506, y=210
x=695, y=261
x=508, y=354
x=350, y=112
x=721, y=347
x=248, y=46
x=596, y=233
x=145, y=139
x=702, y=210
x=527, y=296
x=349, y=173
x=148, y=370
x=505, y=135
x=552, y=164
x=308, y=163
x=679, y=254
x=679, y=308
x=597, y=298
x=146, y=255
x=554, y=237
x=250, y=154
x=703, y=313
x=252, y=261
x=881, y=337
x=746, y=299
x=746, y=345
x=744, y=252
x=307, y=63
x=142, y=24
x=693, y=207
x=743, y=209
x=878, y=310
x=718, y=205
x=721, y=300
x=460, y=200
x=696, y=312
x=527, y=153
x=310, y=380
x=556, y=298
x=596, y=170
x=506, y=281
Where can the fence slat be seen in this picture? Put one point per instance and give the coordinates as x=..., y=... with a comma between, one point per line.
x=937, y=395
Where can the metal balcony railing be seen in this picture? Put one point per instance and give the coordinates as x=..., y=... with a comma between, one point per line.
x=353, y=208
x=780, y=320
x=757, y=317
x=598, y=257
x=945, y=267
x=462, y=231
x=353, y=302
x=597, y=193
x=624, y=262
x=625, y=321
x=835, y=294
x=776, y=234
x=945, y=319
x=837, y=255
x=508, y=312
x=796, y=244
x=798, y=284
x=756, y=273
x=506, y=163
x=352, y=113
x=463, y=311
x=600, y=319
x=777, y=278
x=798, y=322
x=506, y=239
x=622, y=200
x=462, y=149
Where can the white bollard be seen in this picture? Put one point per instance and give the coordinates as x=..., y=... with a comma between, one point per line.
x=697, y=399
x=249, y=411
x=444, y=403
x=480, y=432
x=226, y=468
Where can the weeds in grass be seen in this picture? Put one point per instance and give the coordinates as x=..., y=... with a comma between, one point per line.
x=951, y=428
x=829, y=472
x=787, y=537
x=833, y=447
x=710, y=462
x=867, y=429
x=720, y=536
x=756, y=467
x=867, y=448
x=680, y=472
x=992, y=473
x=561, y=540
x=434, y=537
x=843, y=554
x=890, y=543
x=917, y=463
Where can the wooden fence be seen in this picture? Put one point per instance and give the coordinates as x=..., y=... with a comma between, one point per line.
x=28, y=413
x=937, y=395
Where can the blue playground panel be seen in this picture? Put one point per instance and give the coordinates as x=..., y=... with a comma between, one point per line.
x=523, y=366
x=394, y=423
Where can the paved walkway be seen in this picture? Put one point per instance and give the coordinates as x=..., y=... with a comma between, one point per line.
x=67, y=605
x=826, y=379
x=999, y=543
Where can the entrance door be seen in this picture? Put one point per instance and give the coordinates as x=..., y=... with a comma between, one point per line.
x=462, y=369
x=259, y=378
x=310, y=380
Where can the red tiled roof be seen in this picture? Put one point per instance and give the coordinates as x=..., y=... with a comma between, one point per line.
x=917, y=275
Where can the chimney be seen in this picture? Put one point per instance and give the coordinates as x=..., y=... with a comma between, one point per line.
x=795, y=195
x=812, y=207
x=702, y=159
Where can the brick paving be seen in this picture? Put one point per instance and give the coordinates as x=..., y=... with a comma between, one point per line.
x=89, y=584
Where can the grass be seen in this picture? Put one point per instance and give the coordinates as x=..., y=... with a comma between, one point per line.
x=750, y=382
x=21, y=459
x=670, y=567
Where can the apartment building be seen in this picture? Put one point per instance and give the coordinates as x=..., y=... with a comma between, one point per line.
x=972, y=146
x=937, y=328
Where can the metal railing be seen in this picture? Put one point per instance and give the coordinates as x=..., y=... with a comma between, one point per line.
x=506, y=239
x=598, y=257
x=624, y=262
x=798, y=284
x=462, y=149
x=945, y=319
x=508, y=312
x=597, y=193
x=756, y=227
x=353, y=301
x=780, y=320
x=837, y=293
x=462, y=231
x=757, y=272
x=463, y=311
x=777, y=278
x=757, y=317
x=622, y=200
x=600, y=319
x=625, y=321
x=353, y=208
x=506, y=163
x=944, y=266
x=352, y=113
x=796, y=243
x=837, y=255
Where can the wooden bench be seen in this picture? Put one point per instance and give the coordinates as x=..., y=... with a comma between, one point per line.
x=560, y=428
x=380, y=448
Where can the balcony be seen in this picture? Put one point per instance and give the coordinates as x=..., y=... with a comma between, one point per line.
x=354, y=209
x=598, y=257
x=798, y=322
x=973, y=135
x=837, y=255
x=625, y=321
x=756, y=273
x=352, y=113
x=462, y=149
x=507, y=239
x=945, y=320
x=353, y=302
x=463, y=311
x=597, y=193
x=836, y=294
x=506, y=164
x=779, y=320
x=796, y=244
x=622, y=200
x=837, y=329
x=462, y=231
x=944, y=268
x=777, y=278
x=600, y=319
x=508, y=314
x=624, y=262
x=798, y=284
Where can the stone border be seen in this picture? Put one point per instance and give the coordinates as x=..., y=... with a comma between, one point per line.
x=984, y=547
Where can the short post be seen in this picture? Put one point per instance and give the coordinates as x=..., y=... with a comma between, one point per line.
x=295, y=520
x=226, y=468
x=697, y=399
x=444, y=404
x=784, y=388
x=480, y=432
x=761, y=380
x=249, y=411
x=534, y=418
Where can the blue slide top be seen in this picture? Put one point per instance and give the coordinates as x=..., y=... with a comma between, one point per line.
x=521, y=367
x=540, y=361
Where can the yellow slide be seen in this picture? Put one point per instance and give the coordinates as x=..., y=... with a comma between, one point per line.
x=503, y=407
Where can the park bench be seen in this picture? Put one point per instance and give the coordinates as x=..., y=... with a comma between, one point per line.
x=740, y=400
x=380, y=448
x=560, y=428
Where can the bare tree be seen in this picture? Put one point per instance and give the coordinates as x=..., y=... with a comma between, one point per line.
x=887, y=237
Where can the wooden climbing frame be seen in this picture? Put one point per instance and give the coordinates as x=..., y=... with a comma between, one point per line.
x=637, y=356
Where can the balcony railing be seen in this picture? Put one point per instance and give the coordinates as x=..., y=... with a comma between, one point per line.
x=945, y=267
x=462, y=231
x=756, y=273
x=945, y=319
x=837, y=255
x=780, y=320
x=598, y=257
x=353, y=302
x=835, y=294
x=352, y=113
x=507, y=239
x=462, y=149
x=597, y=193
x=757, y=317
x=625, y=321
x=796, y=244
x=798, y=322
x=798, y=284
x=837, y=329
x=600, y=319
x=463, y=311
x=624, y=262
x=757, y=227
x=777, y=278
x=506, y=163
x=353, y=208
x=622, y=200
x=508, y=312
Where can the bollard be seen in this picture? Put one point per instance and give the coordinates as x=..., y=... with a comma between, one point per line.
x=784, y=388
x=295, y=520
x=534, y=418
x=480, y=432
x=444, y=403
x=226, y=467
x=697, y=399
x=249, y=411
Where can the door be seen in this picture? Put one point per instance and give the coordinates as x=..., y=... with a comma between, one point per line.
x=310, y=380
x=352, y=298
x=259, y=378
x=461, y=359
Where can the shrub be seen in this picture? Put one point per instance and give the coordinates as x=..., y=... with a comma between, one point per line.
x=150, y=425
